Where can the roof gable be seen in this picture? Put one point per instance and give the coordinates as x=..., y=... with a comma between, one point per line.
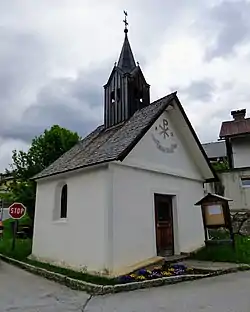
x=138, y=71
x=115, y=69
x=105, y=145
x=163, y=148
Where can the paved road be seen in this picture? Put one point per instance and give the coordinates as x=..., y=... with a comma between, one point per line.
x=21, y=291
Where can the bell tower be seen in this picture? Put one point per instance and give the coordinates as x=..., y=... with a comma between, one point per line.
x=126, y=90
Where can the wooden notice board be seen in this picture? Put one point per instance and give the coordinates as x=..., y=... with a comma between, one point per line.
x=214, y=214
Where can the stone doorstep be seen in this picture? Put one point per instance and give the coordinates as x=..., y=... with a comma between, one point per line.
x=95, y=289
x=176, y=258
x=149, y=264
x=154, y=261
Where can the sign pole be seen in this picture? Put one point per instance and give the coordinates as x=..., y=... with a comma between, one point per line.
x=14, y=234
x=16, y=212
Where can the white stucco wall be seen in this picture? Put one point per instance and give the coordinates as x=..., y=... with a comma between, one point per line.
x=145, y=171
x=134, y=220
x=241, y=152
x=80, y=240
x=234, y=189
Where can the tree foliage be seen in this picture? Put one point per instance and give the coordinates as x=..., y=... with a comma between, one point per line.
x=221, y=165
x=44, y=150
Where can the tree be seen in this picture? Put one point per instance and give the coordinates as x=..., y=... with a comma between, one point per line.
x=221, y=165
x=44, y=150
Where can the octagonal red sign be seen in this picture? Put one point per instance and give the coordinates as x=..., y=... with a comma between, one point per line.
x=17, y=210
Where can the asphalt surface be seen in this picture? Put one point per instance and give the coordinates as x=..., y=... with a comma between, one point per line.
x=25, y=292
x=22, y=291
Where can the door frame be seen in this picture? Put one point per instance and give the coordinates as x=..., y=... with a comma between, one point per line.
x=171, y=198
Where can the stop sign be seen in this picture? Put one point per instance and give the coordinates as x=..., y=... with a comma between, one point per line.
x=17, y=210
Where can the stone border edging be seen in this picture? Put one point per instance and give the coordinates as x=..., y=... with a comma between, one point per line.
x=95, y=289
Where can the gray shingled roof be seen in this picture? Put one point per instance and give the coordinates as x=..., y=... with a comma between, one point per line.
x=104, y=145
x=215, y=149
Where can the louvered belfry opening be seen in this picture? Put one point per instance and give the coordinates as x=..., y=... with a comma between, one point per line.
x=126, y=90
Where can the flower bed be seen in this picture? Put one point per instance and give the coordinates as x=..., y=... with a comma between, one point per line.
x=151, y=278
x=158, y=272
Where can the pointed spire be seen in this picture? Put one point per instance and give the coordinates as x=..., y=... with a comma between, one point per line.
x=126, y=60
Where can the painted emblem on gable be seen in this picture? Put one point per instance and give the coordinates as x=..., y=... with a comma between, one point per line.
x=164, y=137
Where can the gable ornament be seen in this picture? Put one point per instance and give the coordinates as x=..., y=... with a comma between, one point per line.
x=166, y=144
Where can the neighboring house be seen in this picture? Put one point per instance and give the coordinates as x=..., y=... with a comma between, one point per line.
x=236, y=134
x=5, y=179
x=216, y=151
x=126, y=193
x=236, y=142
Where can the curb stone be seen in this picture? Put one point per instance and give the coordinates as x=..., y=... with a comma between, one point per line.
x=95, y=289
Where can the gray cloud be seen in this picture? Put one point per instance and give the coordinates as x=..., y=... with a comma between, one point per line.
x=200, y=90
x=22, y=59
x=230, y=23
x=45, y=43
x=76, y=104
x=21, y=55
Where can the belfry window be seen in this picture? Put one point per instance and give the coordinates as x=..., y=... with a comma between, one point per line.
x=139, y=95
x=118, y=93
x=113, y=97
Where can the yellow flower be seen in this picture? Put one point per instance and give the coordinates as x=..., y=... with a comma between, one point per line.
x=141, y=277
x=190, y=269
x=165, y=273
x=132, y=275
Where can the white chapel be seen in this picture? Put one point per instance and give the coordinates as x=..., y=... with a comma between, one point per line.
x=125, y=194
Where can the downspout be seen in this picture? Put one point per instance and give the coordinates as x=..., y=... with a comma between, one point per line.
x=229, y=153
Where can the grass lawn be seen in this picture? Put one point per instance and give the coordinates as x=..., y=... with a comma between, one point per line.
x=23, y=249
x=23, y=246
x=241, y=254
x=226, y=253
x=96, y=279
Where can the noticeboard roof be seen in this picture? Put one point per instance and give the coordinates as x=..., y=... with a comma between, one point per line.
x=211, y=196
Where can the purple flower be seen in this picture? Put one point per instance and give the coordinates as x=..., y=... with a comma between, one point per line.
x=179, y=267
x=126, y=279
x=156, y=274
x=142, y=272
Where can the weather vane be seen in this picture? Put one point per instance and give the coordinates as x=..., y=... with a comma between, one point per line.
x=125, y=21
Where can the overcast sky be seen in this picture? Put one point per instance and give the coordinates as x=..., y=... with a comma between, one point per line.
x=55, y=56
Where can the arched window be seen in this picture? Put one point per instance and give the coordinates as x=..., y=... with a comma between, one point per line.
x=64, y=195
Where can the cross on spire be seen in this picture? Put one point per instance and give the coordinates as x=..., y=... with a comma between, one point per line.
x=125, y=21
x=126, y=60
x=126, y=90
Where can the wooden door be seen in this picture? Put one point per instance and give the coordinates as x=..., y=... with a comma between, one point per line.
x=164, y=224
